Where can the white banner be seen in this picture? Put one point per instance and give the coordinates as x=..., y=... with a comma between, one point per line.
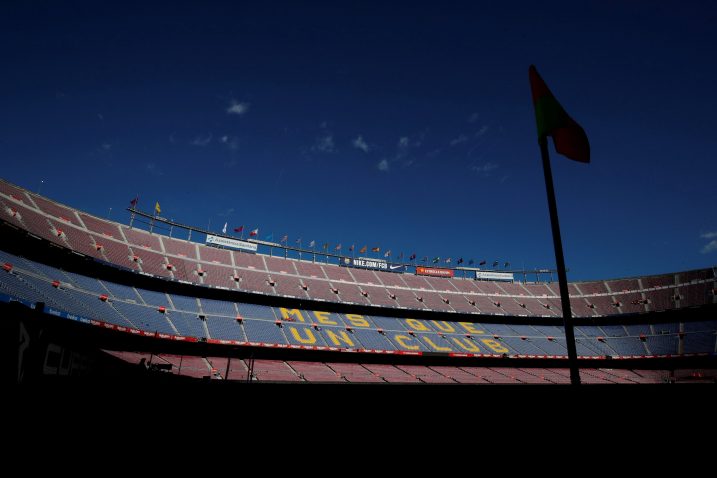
x=233, y=243
x=504, y=276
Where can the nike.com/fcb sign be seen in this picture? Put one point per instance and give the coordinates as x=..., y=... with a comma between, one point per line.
x=434, y=271
x=371, y=264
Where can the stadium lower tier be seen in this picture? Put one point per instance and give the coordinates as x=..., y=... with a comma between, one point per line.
x=221, y=368
x=175, y=317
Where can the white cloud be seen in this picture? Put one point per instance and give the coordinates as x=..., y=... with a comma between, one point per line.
x=237, y=108
x=359, y=143
x=482, y=131
x=382, y=165
x=226, y=212
x=485, y=168
x=202, y=140
x=231, y=142
x=325, y=144
x=709, y=235
x=403, y=142
x=460, y=139
x=152, y=169
x=710, y=247
x=473, y=118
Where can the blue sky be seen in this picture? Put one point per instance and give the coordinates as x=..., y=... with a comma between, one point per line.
x=408, y=126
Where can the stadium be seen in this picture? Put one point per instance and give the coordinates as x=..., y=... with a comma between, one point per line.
x=153, y=299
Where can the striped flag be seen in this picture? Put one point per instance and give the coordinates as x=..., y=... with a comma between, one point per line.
x=254, y=233
x=363, y=249
x=224, y=229
x=239, y=229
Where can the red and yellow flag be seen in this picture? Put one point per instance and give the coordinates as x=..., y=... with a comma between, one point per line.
x=569, y=137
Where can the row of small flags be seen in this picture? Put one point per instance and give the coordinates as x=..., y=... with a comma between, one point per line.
x=285, y=239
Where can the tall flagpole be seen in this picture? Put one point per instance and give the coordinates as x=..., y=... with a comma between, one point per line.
x=560, y=262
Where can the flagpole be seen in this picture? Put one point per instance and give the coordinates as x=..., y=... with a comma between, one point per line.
x=560, y=262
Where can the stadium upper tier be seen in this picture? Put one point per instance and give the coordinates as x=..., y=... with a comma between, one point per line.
x=176, y=317
x=176, y=259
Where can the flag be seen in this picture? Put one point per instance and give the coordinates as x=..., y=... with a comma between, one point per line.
x=351, y=248
x=298, y=241
x=425, y=258
x=224, y=229
x=507, y=264
x=285, y=238
x=482, y=263
x=436, y=259
x=363, y=249
x=338, y=247
x=134, y=201
x=239, y=229
x=460, y=261
x=495, y=263
x=312, y=243
x=376, y=249
x=388, y=253
x=448, y=260
x=569, y=137
x=157, y=209
x=413, y=256
x=326, y=245
x=254, y=233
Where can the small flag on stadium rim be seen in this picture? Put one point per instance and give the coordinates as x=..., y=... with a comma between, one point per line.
x=134, y=201
x=224, y=229
x=298, y=241
x=363, y=249
x=312, y=243
x=425, y=258
x=388, y=253
x=338, y=247
x=376, y=249
x=239, y=229
x=569, y=137
x=157, y=209
x=351, y=248
x=482, y=263
x=254, y=233
x=413, y=256
x=459, y=261
x=326, y=245
x=507, y=264
x=495, y=263
x=448, y=260
x=285, y=238
x=436, y=259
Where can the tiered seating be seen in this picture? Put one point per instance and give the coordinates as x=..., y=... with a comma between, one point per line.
x=283, y=266
x=318, y=289
x=99, y=226
x=250, y=261
x=254, y=281
x=179, y=247
x=138, y=237
x=56, y=210
x=217, y=276
x=215, y=255
x=336, y=273
x=152, y=253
